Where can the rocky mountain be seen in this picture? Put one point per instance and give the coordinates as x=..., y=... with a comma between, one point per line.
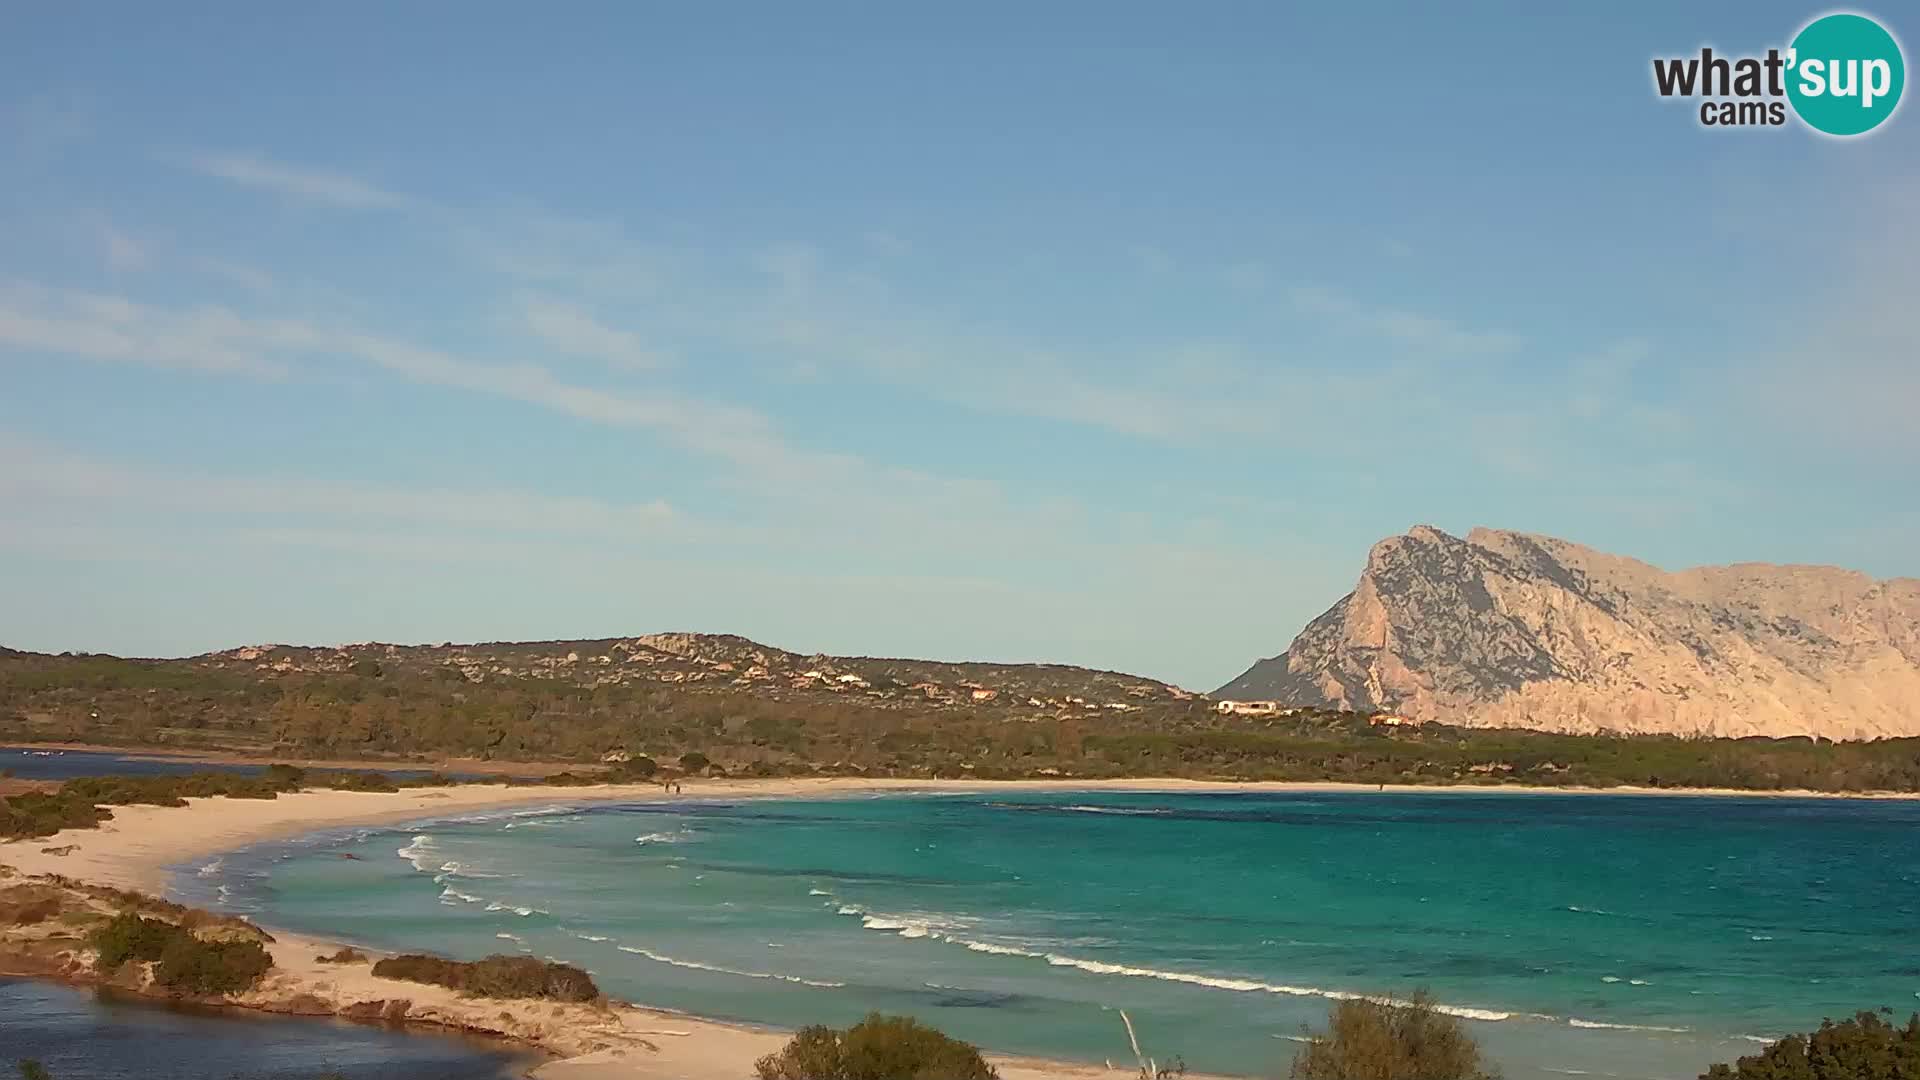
x=1504, y=629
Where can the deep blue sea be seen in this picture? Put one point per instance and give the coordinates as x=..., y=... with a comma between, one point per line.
x=1603, y=935
x=78, y=1035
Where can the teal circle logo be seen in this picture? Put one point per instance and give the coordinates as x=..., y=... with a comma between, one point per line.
x=1845, y=74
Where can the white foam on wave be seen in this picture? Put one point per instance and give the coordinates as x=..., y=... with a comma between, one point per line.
x=939, y=928
x=696, y=965
x=678, y=836
x=419, y=852
x=1609, y=978
x=1587, y=910
x=588, y=937
x=523, y=912
x=506, y=937
x=1761, y=937
x=1600, y=1026
x=211, y=869
x=1123, y=811
x=1638, y=982
x=556, y=823
x=818, y=892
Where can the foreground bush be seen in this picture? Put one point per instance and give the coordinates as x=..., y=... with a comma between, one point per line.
x=129, y=937
x=877, y=1048
x=1375, y=1040
x=192, y=966
x=495, y=977
x=184, y=962
x=1863, y=1048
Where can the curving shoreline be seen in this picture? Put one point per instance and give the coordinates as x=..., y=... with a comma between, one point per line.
x=141, y=847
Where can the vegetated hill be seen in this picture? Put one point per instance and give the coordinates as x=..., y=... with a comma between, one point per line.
x=701, y=702
x=571, y=700
x=717, y=661
x=1504, y=629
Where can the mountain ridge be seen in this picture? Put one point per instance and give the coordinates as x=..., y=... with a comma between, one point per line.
x=1511, y=629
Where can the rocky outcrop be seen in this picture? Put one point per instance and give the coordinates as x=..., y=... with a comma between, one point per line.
x=1505, y=629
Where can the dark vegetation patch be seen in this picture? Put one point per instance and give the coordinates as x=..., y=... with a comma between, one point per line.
x=496, y=976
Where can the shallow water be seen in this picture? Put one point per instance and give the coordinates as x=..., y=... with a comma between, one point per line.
x=1608, y=935
x=80, y=1036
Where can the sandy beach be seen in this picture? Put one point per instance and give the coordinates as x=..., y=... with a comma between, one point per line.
x=135, y=849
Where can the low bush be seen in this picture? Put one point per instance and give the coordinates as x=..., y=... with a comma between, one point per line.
x=192, y=966
x=877, y=1048
x=28, y=913
x=1863, y=1048
x=184, y=962
x=38, y=813
x=362, y=781
x=1391, y=1040
x=347, y=955
x=496, y=976
x=128, y=936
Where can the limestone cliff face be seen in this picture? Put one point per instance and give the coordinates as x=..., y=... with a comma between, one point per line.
x=1503, y=629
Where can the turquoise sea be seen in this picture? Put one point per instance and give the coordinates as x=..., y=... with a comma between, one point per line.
x=1578, y=935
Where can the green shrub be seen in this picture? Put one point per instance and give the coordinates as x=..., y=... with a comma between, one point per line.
x=694, y=761
x=362, y=781
x=639, y=767
x=877, y=1048
x=1863, y=1048
x=127, y=936
x=347, y=955
x=1383, y=1040
x=193, y=966
x=185, y=963
x=496, y=976
x=33, y=1070
x=38, y=813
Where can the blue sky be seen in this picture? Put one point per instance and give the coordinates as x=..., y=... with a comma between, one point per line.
x=1107, y=333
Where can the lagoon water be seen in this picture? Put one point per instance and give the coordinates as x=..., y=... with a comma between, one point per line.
x=1603, y=935
x=38, y=763
x=78, y=1035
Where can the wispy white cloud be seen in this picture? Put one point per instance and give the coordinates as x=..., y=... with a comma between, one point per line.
x=573, y=329
x=207, y=340
x=29, y=471
x=121, y=250
x=304, y=184
x=248, y=277
x=1405, y=327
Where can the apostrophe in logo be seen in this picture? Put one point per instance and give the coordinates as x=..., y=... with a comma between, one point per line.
x=1842, y=75
x=1845, y=74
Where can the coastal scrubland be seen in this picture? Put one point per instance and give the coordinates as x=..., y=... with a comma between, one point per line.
x=497, y=976
x=829, y=716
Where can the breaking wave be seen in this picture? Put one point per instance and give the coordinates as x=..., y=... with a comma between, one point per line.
x=940, y=928
x=1598, y=1025
x=678, y=836
x=695, y=965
